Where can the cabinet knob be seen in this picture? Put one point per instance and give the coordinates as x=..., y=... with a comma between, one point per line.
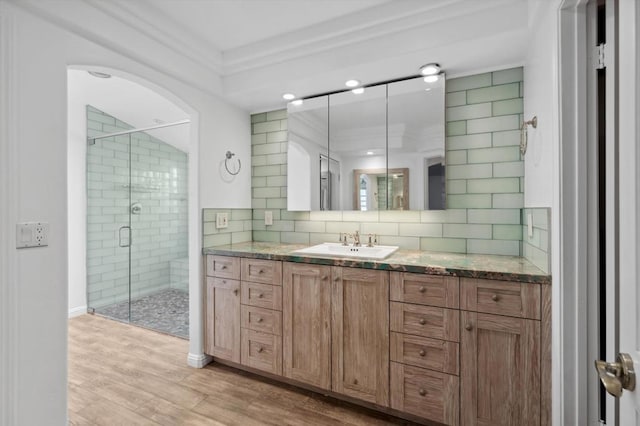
x=422, y=289
x=260, y=271
x=223, y=267
x=422, y=321
x=260, y=349
x=468, y=327
x=259, y=320
x=224, y=281
x=324, y=277
x=422, y=352
x=336, y=278
x=355, y=381
x=260, y=295
x=422, y=392
x=235, y=292
x=495, y=297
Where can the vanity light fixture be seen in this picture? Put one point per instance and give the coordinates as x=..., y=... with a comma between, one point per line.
x=352, y=83
x=288, y=96
x=430, y=69
x=358, y=91
x=297, y=102
x=431, y=78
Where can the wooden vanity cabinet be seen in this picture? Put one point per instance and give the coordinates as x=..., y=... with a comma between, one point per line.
x=222, y=308
x=306, y=309
x=360, y=333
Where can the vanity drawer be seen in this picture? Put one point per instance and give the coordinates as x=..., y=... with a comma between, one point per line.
x=427, y=321
x=261, y=295
x=433, y=354
x=425, y=289
x=262, y=351
x=223, y=267
x=500, y=297
x=262, y=271
x=424, y=393
x=260, y=319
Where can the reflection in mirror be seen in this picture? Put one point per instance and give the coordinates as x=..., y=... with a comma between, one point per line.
x=308, y=146
x=357, y=137
x=374, y=189
x=416, y=139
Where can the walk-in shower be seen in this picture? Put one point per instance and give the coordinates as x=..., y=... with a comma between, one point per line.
x=137, y=225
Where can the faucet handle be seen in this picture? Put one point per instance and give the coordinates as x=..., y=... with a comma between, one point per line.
x=370, y=243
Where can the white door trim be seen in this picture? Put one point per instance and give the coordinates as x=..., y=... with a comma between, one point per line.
x=569, y=336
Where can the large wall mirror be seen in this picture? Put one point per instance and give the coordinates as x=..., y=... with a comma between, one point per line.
x=377, y=149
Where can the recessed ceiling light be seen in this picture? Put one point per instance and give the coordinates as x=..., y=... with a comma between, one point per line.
x=352, y=83
x=288, y=96
x=431, y=78
x=369, y=152
x=297, y=102
x=99, y=74
x=358, y=91
x=430, y=69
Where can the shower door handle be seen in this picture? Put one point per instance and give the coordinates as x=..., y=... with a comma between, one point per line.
x=127, y=239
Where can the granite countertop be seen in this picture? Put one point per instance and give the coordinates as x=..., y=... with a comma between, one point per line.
x=509, y=268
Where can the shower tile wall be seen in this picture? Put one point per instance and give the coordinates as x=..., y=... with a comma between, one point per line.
x=159, y=184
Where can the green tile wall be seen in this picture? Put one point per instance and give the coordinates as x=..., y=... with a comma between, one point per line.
x=484, y=179
x=536, y=248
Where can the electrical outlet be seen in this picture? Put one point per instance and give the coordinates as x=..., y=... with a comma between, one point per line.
x=529, y=225
x=32, y=234
x=222, y=220
x=268, y=217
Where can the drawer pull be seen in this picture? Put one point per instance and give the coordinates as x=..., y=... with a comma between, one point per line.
x=422, y=289
x=223, y=267
x=260, y=349
x=422, y=321
x=260, y=271
x=468, y=327
x=235, y=292
x=224, y=281
x=422, y=392
x=336, y=278
x=422, y=352
x=260, y=295
x=355, y=381
x=495, y=297
x=324, y=277
x=259, y=320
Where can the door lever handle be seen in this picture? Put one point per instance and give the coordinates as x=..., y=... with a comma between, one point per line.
x=616, y=376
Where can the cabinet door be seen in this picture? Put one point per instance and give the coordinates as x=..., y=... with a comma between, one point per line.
x=499, y=370
x=306, y=314
x=360, y=333
x=222, y=329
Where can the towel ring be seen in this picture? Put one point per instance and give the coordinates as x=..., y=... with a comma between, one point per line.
x=230, y=154
x=523, y=133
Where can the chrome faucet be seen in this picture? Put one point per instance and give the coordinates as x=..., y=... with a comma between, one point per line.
x=356, y=239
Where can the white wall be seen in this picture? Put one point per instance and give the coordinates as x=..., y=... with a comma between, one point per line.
x=542, y=160
x=34, y=301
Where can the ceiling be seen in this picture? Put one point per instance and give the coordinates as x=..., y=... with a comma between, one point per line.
x=250, y=52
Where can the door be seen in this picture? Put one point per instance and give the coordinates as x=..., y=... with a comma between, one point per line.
x=360, y=333
x=222, y=327
x=306, y=311
x=618, y=376
x=499, y=370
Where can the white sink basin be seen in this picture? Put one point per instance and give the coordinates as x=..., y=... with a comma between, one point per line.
x=338, y=250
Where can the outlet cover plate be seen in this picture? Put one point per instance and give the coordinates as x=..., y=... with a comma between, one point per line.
x=32, y=234
x=222, y=220
x=268, y=217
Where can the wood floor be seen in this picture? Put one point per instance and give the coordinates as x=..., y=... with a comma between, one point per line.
x=124, y=375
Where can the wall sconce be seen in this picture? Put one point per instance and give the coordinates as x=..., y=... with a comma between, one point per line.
x=523, y=133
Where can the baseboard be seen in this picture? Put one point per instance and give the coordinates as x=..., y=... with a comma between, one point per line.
x=198, y=361
x=80, y=310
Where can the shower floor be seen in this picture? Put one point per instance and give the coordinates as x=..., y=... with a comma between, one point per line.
x=166, y=311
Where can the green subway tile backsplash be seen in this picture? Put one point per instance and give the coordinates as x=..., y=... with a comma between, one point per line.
x=484, y=182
